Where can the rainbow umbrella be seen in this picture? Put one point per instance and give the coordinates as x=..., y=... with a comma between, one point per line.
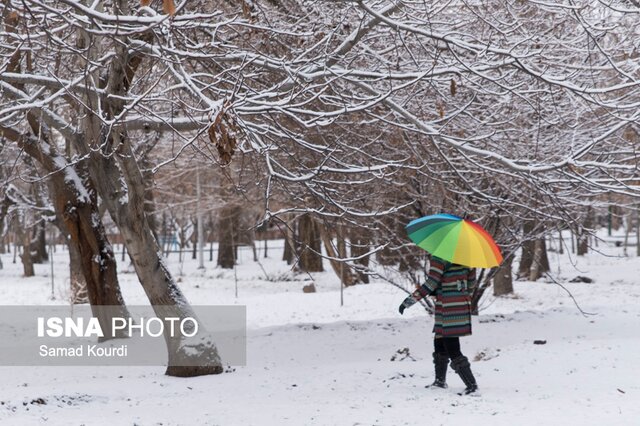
x=456, y=240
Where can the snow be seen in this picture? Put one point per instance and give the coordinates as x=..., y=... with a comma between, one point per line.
x=312, y=362
x=72, y=176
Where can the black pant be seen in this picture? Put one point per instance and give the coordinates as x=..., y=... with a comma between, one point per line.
x=449, y=346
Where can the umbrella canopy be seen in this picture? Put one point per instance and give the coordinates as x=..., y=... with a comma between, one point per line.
x=456, y=240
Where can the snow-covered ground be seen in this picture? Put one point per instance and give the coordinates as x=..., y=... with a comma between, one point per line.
x=314, y=362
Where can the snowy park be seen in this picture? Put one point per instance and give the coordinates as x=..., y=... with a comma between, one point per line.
x=312, y=212
x=314, y=362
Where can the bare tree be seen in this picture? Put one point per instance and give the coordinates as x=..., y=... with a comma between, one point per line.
x=364, y=112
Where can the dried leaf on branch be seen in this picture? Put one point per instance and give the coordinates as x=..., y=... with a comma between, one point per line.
x=223, y=134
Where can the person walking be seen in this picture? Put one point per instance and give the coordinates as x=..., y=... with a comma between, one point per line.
x=452, y=285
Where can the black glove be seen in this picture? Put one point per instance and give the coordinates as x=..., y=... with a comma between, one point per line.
x=406, y=303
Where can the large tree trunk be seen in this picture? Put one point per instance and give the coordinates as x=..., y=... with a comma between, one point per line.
x=503, y=278
x=88, y=246
x=228, y=222
x=147, y=175
x=119, y=180
x=98, y=264
x=310, y=241
x=75, y=205
x=200, y=355
x=79, y=290
x=115, y=172
x=76, y=208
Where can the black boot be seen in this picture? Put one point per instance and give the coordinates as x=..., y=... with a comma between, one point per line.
x=441, y=363
x=461, y=366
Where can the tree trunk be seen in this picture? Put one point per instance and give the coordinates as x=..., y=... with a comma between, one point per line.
x=583, y=233
x=228, y=236
x=410, y=257
x=39, y=238
x=540, y=263
x=289, y=253
x=409, y=261
x=359, y=247
x=310, y=241
x=561, y=242
x=503, y=278
x=79, y=291
x=583, y=243
x=626, y=221
x=194, y=240
x=183, y=241
x=88, y=240
x=527, y=250
x=387, y=256
x=4, y=206
x=342, y=270
x=150, y=204
x=4, y=210
x=27, y=260
x=544, y=261
x=200, y=355
x=39, y=242
x=121, y=185
x=75, y=206
x=617, y=217
x=210, y=236
x=638, y=230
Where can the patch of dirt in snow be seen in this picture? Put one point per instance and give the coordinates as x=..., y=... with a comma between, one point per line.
x=486, y=354
x=53, y=400
x=494, y=318
x=398, y=376
x=402, y=354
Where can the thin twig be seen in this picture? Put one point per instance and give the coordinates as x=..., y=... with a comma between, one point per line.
x=585, y=314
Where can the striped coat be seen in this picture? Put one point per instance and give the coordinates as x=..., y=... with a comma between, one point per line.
x=452, y=285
